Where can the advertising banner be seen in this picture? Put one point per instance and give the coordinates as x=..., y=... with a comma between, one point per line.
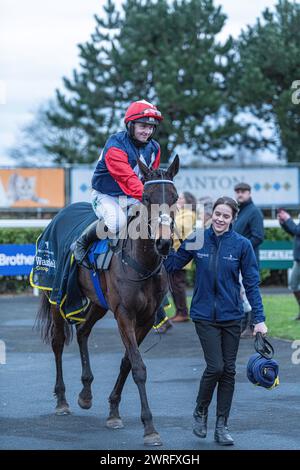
x=270, y=186
x=16, y=260
x=32, y=187
x=276, y=255
x=81, y=184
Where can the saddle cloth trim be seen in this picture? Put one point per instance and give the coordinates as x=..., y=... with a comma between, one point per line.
x=66, y=316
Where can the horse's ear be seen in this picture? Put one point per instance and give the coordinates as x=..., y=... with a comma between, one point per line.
x=144, y=169
x=174, y=167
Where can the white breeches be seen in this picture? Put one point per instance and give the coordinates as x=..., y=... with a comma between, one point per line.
x=112, y=209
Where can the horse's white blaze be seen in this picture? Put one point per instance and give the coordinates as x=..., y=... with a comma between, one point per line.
x=164, y=222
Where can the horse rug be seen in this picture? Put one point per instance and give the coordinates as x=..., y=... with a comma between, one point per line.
x=54, y=269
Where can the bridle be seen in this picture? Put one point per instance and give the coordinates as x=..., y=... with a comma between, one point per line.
x=163, y=219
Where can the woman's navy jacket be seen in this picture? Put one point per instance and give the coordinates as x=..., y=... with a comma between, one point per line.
x=216, y=294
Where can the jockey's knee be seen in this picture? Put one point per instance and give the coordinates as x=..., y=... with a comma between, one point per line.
x=116, y=224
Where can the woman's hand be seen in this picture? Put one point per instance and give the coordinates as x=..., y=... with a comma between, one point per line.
x=260, y=328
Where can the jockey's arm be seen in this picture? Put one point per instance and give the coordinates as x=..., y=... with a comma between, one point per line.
x=119, y=168
x=157, y=160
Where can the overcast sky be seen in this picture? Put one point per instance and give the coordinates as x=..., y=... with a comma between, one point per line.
x=38, y=46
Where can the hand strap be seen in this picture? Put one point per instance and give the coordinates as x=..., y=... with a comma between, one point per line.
x=263, y=346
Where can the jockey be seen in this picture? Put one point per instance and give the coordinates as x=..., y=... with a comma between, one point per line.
x=116, y=183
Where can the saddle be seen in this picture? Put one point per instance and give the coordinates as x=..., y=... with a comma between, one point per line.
x=101, y=252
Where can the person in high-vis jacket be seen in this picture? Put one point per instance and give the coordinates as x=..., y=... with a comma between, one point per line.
x=216, y=309
x=185, y=222
x=116, y=182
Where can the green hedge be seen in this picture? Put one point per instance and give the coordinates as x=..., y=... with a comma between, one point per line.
x=19, y=235
x=276, y=234
x=29, y=235
x=22, y=236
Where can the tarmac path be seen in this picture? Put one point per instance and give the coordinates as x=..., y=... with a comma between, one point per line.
x=260, y=418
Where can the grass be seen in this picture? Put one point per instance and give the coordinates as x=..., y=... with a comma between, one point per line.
x=280, y=311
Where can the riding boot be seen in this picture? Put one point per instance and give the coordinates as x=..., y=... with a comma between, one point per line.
x=200, y=421
x=84, y=241
x=222, y=435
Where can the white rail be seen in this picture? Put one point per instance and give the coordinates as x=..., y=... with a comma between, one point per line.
x=41, y=223
x=24, y=223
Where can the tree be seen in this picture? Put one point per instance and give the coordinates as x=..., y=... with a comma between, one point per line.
x=75, y=125
x=40, y=140
x=162, y=51
x=179, y=64
x=268, y=64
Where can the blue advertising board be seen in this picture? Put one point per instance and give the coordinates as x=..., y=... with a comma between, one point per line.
x=16, y=260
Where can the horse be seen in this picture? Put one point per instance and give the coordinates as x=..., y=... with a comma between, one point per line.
x=133, y=290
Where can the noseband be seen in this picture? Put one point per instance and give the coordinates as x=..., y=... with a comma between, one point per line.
x=163, y=219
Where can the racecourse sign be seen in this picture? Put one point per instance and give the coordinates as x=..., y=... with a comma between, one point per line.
x=270, y=186
x=16, y=260
x=276, y=255
x=32, y=188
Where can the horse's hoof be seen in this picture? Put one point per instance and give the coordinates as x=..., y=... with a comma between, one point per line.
x=85, y=404
x=62, y=410
x=152, y=439
x=114, y=423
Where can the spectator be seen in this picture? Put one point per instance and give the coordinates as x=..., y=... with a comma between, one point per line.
x=216, y=311
x=184, y=223
x=249, y=223
x=291, y=228
x=206, y=203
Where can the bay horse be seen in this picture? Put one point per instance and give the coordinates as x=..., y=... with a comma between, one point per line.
x=133, y=290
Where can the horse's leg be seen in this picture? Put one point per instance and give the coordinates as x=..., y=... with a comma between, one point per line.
x=83, y=331
x=114, y=420
x=58, y=340
x=139, y=374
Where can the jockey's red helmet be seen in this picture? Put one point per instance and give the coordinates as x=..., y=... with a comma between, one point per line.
x=143, y=111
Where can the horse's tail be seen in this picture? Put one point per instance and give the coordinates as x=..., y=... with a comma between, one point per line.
x=45, y=324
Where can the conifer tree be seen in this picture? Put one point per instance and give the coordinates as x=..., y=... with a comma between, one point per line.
x=268, y=64
x=166, y=52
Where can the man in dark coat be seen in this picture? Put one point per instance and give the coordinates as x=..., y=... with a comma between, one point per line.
x=249, y=223
x=293, y=229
